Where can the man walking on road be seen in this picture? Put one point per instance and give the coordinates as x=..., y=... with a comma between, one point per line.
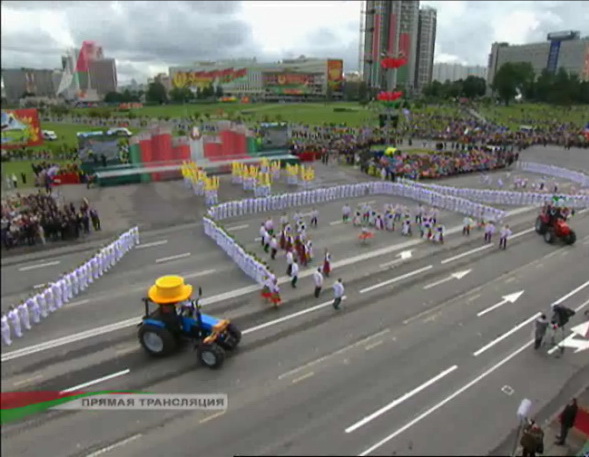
x=318, y=279
x=567, y=421
x=338, y=293
x=541, y=325
x=294, y=274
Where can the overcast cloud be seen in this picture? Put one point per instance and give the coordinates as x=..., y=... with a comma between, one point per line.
x=147, y=37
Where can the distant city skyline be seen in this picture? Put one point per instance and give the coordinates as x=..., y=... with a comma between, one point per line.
x=35, y=34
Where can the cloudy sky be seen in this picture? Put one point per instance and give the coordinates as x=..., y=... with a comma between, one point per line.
x=147, y=37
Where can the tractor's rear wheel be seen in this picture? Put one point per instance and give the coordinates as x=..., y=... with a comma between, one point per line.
x=549, y=237
x=540, y=226
x=210, y=355
x=157, y=342
x=570, y=238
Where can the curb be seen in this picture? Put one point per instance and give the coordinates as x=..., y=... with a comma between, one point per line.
x=549, y=411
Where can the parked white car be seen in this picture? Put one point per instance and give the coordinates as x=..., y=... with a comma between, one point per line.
x=119, y=131
x=49, y=135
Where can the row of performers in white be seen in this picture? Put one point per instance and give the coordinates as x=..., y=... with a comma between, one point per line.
x=60, y=292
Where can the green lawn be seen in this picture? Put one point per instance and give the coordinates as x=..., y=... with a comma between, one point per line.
x=514, y=116
x=66, y=134
x=23, y=166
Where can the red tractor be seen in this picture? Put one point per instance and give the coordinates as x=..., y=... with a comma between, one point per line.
x=552, y=224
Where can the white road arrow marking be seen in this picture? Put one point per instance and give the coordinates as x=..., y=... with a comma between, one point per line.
x=582, y=330
x=457, y=275
x=402, y=256
x=511, y=298
x=573, y=341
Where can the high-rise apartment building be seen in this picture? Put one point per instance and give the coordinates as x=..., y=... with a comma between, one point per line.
x=20, y=81
x=390, y=30
x=103, y=76
x=454, y=71
x=426, y=44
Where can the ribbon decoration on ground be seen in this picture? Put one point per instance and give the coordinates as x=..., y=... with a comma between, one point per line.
x=508, y=198
x=557, y=172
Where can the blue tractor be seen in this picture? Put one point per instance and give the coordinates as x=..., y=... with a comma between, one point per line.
x=178, y=318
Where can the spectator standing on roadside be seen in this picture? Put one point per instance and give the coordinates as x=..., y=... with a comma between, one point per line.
x=567, y=421
x=532, y=440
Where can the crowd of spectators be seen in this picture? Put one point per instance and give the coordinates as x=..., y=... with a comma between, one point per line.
x=38, y=218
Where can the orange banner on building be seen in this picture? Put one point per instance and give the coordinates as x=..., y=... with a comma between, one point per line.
x=204, y=78
x=21, y=128
x=335, y=74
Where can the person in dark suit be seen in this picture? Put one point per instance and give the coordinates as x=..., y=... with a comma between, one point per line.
x=567, y=421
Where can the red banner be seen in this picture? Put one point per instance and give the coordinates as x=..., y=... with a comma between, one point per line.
x=335, y=74
x=21, y=128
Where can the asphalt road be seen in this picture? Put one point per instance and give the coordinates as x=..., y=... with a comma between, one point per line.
x=417, y=361
x=384, y=345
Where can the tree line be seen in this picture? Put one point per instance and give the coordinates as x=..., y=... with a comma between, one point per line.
x=560, y=88
x=157, y=94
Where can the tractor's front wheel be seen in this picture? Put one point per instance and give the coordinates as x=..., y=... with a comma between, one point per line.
x=571, y=238
x=549, y=237
x=232, y=338
x=157, y=342
x=540, y=226
x=210, y=355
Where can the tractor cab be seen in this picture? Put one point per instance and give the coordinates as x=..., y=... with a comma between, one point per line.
x=178, y=317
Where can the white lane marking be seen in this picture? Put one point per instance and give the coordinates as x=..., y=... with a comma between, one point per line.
x=333, y=354
x=506, y=335
x=96, y=381
x=398, y=278
x=446, y=400
x=528, y=321
x=336, y=222
x=467, y=253
x=172, y=257
x=38, y=286
x=27, y=380
x=373, y=345
x=211, y=417
x=200, y=273
x=214, y=299
x=39, y=265
x=235, y=228
x=150, y=245
x=400, y=400
x=76, y=303
x=302, y=378
x=289, y=317
x=115, y=446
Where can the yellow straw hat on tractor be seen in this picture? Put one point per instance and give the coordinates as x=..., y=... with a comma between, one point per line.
x=169, y=289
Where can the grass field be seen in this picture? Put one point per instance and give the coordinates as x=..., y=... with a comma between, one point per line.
x=306, y=113
x=514, y=116
x=22, y=166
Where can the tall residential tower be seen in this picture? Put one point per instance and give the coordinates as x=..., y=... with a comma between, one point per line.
x=426, y=44
x=390, y=30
